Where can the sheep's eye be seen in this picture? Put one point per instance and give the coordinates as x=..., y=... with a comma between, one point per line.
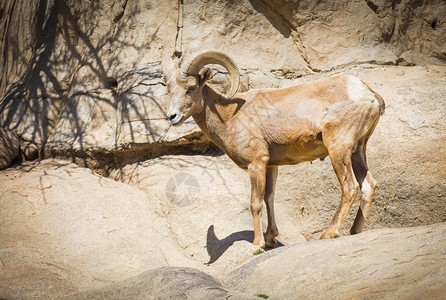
x=190, y=89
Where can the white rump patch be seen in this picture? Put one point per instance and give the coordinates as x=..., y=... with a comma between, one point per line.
x=357, y=90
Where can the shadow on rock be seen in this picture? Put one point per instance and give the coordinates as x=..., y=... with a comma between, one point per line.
x=216, y=247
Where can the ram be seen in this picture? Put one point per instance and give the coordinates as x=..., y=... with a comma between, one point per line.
x=264, y=128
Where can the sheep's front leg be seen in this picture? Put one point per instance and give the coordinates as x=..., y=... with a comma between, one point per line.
x=257, y=175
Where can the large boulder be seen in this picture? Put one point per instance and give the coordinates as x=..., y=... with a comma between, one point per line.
x=407, y=263
x=166, y=283
x=65, y=230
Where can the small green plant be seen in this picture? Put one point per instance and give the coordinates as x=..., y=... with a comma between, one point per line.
x=259, y=251
x=262, y=296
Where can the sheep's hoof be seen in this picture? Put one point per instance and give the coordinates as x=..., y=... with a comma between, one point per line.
x=260, y=244
x=271, y=242
x=329, y=235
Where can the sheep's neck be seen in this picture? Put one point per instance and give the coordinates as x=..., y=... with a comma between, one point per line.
x=216, y=113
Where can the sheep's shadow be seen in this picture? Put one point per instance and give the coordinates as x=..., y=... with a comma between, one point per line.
x=216, y=247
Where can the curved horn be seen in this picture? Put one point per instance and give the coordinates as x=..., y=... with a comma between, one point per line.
x=168, y=66
x=199, y=59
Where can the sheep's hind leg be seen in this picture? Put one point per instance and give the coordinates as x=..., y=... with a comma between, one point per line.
x=368, y=186
x=342, y=166
x=271, y=232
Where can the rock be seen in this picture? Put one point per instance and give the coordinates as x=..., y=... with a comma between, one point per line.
x=9, y=147
x=81, y=103
x=65, y=230
x=166, y=283
x=207, y=208
x=29, y=150
x=387, y=263
x=89, y=77
x=84, y=81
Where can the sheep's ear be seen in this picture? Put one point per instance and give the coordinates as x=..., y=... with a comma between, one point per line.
x=205, y=75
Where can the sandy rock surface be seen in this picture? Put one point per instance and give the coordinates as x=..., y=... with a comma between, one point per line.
x=64, y=228
x=67, y=232
x=407, y=263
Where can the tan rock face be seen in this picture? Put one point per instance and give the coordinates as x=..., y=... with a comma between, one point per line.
x=87, y=76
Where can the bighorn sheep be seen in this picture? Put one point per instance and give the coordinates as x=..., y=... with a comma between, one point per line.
x=264, y=128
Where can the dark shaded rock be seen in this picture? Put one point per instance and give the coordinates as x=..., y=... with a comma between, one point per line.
x=29, y=150
x=166, y=283
x=9, y=147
